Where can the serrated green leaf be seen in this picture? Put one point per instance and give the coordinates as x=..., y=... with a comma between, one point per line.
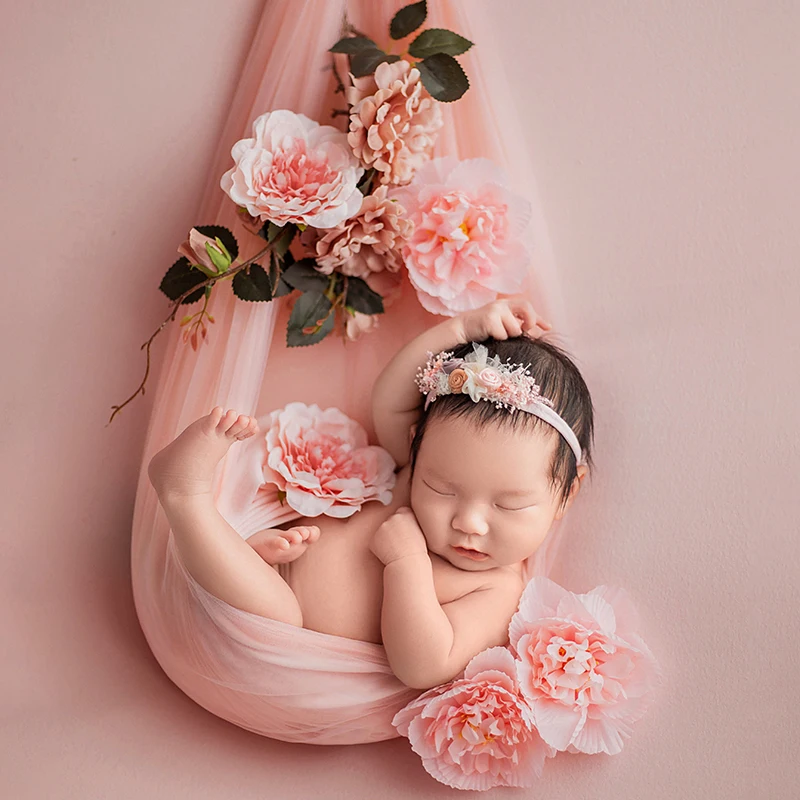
x=361, y=298
x=438, y=40
x=273, y=231
x=284, y=239
x=302, y=275
x=311, y=311
x=253, y=287
x=353, y=44
x=367, y=61
x=224, y=235
x=408, y=19
x=181, y=277
x=443, y=77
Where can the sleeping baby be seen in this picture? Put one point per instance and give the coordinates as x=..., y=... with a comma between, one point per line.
x=489, y=457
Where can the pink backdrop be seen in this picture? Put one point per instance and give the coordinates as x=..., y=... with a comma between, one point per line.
x=664, y=142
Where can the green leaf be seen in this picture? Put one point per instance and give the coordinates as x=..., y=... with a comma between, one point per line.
x=273, y=231
x=361, y=298
x=408, y=19
x=224, y=235
x=367, y=61
x=254, y=286
x=443, y=77
x=353, y=44
x=303, y=276
x=438, y=40
x=283, y=240
x=181, y=277
x=311, y=320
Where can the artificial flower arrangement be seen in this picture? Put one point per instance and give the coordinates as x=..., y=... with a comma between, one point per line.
x=342, y=215
x=574, y=677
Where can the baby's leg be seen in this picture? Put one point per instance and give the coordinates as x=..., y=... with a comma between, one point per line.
x=212, y=551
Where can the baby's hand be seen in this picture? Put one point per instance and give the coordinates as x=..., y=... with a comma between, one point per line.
x=503, y=319
x=398, y=537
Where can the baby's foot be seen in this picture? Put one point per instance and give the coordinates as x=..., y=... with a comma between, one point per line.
x=186, y=466
x=280, y=547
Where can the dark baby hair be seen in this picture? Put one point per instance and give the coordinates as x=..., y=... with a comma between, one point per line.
x=558, y=379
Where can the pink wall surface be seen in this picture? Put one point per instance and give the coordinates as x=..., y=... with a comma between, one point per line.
x=664, y=138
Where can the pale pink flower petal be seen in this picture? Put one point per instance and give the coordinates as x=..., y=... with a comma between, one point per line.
x=322, y=462
x=294, y=170
x=476, y=732
x=585, y=672
x=466, y=247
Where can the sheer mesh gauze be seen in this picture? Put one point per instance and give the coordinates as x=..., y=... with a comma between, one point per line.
x=268, y=677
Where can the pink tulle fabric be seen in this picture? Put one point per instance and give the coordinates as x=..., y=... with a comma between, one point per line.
x=267, y=677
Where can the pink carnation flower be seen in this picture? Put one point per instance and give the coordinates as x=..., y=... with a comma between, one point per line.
x=294, y=170
x=476, y=732
x=466, y=247
x=585, y=672
x=322, y=461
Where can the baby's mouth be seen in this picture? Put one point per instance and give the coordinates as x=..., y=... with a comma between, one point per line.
x=475, y=555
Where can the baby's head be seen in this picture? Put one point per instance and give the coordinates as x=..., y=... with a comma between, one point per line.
x=492, y=480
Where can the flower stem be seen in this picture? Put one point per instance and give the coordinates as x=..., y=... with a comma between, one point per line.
x=209, y=282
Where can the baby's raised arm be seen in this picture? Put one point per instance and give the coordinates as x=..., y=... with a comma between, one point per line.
x=395, y=397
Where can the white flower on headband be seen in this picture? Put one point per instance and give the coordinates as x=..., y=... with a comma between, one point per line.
x=482, y=377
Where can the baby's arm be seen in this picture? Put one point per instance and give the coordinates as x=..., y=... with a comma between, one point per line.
x=395, y=396
x=428, y=644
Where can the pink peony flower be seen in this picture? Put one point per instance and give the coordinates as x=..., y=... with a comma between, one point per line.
x=393, y=121
x=322, y=461
x=585, y=672
x=368, y=242
x=466, y=247
x=476, y=732
x=294, y=170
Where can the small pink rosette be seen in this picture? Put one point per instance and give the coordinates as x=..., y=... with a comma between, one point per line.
x=582, y=667
x=322, y=463
x=476, y=732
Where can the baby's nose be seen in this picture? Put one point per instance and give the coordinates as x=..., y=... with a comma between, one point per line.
x=470, y=520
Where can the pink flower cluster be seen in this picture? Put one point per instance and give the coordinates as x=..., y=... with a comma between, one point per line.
x=322, y=462
x=575, y=677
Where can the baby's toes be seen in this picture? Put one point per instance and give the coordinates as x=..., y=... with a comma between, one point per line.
x=240, y=425
x=226, y=420
x=293, y=536
x=313, y=533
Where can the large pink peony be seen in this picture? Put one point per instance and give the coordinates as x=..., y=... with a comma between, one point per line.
x=322, y=462
x=466, y=247
x=294, y=170
x=476, y=732
x=585, y=672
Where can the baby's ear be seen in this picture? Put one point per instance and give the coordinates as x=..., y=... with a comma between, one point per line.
x=412, y=432
x=583, y=471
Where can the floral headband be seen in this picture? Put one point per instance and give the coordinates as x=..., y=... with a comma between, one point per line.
x=487, y=378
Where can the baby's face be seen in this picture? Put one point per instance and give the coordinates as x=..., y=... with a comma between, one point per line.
x=485, y=489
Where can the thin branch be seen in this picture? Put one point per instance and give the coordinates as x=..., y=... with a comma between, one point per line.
x=171, y=316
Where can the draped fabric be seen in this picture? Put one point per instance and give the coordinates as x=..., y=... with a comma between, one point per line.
x=268, y=677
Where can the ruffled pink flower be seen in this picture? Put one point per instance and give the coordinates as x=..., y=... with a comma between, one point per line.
x=466, y=247
x=366, y=243
x=393, y=121
x=585, y=672
x=294, y=170
x=476, y=732
x=322, y=461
